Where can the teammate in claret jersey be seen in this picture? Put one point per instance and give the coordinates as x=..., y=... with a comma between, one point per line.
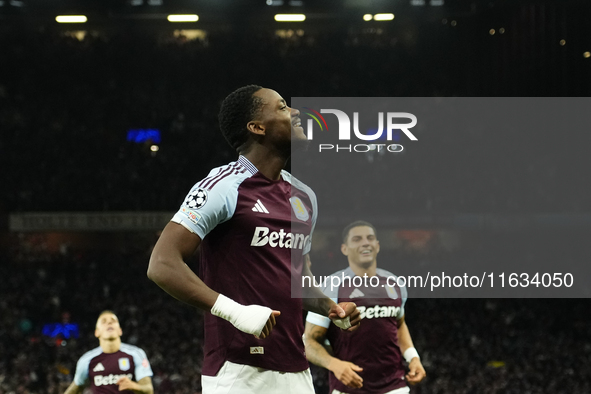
x=368, y=361
x=251, y=250
x=113, y=367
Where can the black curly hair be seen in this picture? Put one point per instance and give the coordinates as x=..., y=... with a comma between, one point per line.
x=239, y=108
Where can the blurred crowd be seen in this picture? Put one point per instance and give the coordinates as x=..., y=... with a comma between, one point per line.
x=66, y=104
x=521, y=346
x=75, y=288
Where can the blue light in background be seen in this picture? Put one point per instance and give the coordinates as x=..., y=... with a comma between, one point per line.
x=69, y=330
x=140, y=136
x=396, y=133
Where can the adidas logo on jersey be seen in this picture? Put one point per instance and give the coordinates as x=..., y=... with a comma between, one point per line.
x=257, y=350
x=356, y=293
x=259, y=207
x=100, y=380
x=99, y=367
x=374, y=312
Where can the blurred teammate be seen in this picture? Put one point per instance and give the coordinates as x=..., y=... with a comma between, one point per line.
x=369, y=360
x=113, y=366
x=241, y=216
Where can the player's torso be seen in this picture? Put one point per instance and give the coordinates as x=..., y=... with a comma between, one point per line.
x=106, y=369
x=260, y=246
x=253, y=258
x=374, y=346
x=379, y=307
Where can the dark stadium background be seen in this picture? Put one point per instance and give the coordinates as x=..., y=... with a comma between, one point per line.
x=70, y=93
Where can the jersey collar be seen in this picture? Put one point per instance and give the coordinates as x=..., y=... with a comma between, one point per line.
x=247, y=164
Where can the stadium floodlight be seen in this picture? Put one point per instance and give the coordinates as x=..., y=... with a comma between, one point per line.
x=183, y=18
x=383, y=17
x=71, y=19
x=367, y=17
x=290, y=17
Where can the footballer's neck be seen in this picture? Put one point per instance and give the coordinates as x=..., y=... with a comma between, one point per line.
x=268, y=162
x=110, y=345
x=364, y=269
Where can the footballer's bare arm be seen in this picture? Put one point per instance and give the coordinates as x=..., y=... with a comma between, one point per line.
x=168, y=270
x=74, y=389
x=143, y=386
x=316, y=301
x=416, y=370
x=316, y=353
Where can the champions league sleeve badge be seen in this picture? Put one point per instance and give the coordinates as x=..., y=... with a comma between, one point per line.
x=299, y=209
x=196, y=198
x=124, y=364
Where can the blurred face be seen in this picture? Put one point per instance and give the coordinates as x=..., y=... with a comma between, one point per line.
x=361, y=247
x=276, y=120
x=107, y=327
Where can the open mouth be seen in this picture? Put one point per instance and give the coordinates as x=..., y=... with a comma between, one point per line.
x=296, y=122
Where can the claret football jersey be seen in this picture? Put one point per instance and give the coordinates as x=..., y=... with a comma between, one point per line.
x=374, y=345
x=101, y=371
x=252, y=228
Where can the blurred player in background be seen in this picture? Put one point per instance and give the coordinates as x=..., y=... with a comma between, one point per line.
x=113, y=366
x=369, y=360
x=241, y=216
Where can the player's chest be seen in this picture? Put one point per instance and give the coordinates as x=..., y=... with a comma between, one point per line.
x=106, y=371
x=274, y=206
x=374, y=302
x=363, y=290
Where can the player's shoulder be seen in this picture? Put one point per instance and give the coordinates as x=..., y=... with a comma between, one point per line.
x=295, y=182
x=131, y=349
x=333, y=291
x=384, y=273
x=227, y=176
x=345, y=272
x=89, y=355
x=401, y=284
x=216, y=187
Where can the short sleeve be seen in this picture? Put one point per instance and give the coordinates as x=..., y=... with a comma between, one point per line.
x=204, y=208
x=81, y=376
x=404, y=297
x=142, y=365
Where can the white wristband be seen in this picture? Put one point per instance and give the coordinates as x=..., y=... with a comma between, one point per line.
x=343, y=323
x=250, y=319
x=410, y=353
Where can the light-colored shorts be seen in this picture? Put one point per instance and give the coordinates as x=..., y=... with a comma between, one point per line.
x=245, y=379
x=402, y=390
